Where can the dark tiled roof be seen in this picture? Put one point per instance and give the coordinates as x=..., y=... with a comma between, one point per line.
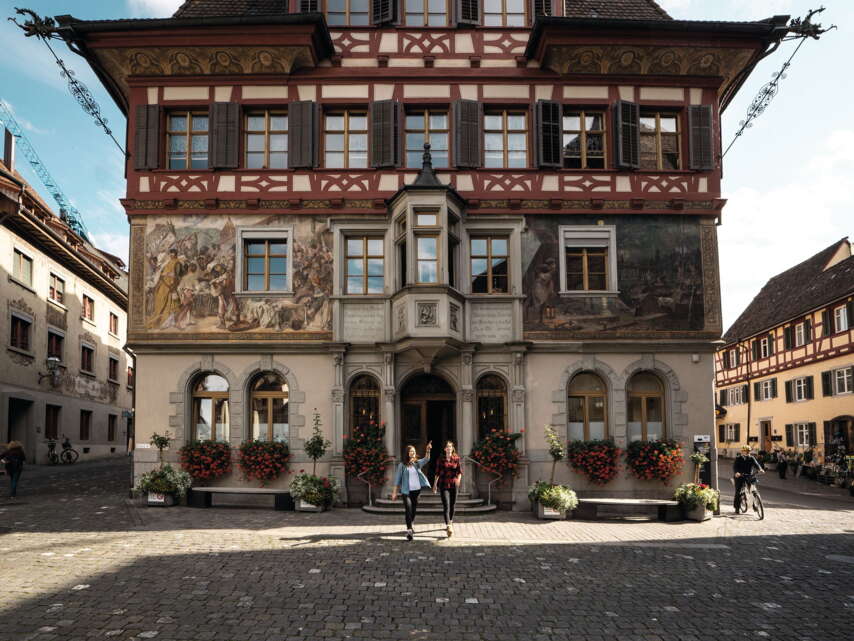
x=795, y=292
x=228, y=8
x=615, y=9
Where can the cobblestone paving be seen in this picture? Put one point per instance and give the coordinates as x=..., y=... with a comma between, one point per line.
x=79, y=561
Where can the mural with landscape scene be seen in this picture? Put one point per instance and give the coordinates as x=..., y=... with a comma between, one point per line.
x=190, y=277
x=659, y=279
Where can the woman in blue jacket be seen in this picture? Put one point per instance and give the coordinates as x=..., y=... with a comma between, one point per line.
x=409, y=480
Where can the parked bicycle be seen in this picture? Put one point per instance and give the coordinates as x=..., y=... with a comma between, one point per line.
x=68, y=454
x=749, y=497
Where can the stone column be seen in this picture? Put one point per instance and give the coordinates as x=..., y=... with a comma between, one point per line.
x=388, y=414
x=337, y=397
x=467, y=427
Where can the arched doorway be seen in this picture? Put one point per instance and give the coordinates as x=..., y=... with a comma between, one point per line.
x=428, y=413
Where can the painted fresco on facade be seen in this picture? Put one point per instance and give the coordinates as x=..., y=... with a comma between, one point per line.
x=659, y=273
x=190, y=277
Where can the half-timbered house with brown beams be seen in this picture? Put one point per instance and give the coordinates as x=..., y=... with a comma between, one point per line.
x=558, y=266
x=785, y=375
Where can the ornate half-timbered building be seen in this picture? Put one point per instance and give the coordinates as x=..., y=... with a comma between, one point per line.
x=558, y=265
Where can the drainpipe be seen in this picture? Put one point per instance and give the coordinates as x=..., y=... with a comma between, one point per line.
x=749, y=396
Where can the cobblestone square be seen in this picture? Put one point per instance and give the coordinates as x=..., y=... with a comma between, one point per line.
x=80, y=561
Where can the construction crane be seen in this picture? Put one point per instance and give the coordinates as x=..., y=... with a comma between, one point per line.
x=67, y=211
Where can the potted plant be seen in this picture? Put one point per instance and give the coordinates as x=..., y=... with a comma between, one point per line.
x=313, y=493
x=697, y=500
x=552, y=501
x=164, y=486
x=699, y=460
x=316, y=446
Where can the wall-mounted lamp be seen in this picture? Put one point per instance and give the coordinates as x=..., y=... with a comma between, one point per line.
x=52, y=371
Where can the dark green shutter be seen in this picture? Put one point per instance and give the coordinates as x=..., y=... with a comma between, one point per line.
x=383, y=11
x=146, y=152
x=849, y=314
x=626, y=135
x=826, y=329
x=828, y=435
x=812, y=430
x=468, y=134
x=224, y=135
x=788, y=337
x=721, y=433
x=726, y=359
x=827, y=383
x=737, y=435
x=548, y=134
x=745, y=393
x=385, y=133
x=467, y=12
x=809, y=392
x=303, y=122
x=754, y=349
x=541, y=8
x=789, y=391
x=722, y=398
x=807, y=330
x=773, y=388
x=790, y=435
x=772, y=343
x=756, y=391
x=700, y=138
x=737, y=356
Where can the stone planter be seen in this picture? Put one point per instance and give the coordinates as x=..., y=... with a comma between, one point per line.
x=547, y=513
x=699, y=513
x=302, y=506
x=161, y=500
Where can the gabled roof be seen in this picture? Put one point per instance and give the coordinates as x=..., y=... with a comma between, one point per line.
x=616, y=9
x=224, y=8
x=796, y=291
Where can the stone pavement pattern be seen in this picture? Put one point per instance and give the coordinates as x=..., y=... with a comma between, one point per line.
x=78, y=561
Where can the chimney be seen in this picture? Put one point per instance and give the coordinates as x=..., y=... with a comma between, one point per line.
x=9, y=151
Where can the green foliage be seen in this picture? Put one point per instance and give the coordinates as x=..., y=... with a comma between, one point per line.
x=365, y=453
x=692, y=495
x=698, y=458
x=164, y=480
x=161, y=443
x=556, y=497
x=556, y=449
x=316, y=446
x=314, y=490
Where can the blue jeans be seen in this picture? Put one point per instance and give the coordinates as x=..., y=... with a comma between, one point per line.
x=14, y=474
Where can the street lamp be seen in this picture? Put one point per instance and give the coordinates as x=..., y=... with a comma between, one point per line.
x=52, y=371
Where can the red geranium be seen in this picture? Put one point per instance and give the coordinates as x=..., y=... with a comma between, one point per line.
x=497, y=452
x=206, y=460
x=596, y=459
x=365, y=453
x=263, y=460
x=654, y=460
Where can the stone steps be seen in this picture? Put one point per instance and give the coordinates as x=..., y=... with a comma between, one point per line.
x=430, y=504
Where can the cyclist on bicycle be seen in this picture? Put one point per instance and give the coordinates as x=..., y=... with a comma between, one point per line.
x=743, y=468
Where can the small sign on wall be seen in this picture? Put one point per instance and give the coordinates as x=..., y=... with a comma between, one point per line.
x=702, y=438
x=143, y=446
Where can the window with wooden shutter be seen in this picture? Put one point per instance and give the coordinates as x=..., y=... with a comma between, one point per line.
x=467, y=133
x=468, y=12
x=754, y=348
x=757, y=391
x=789, y=391
x=772, y=344
x=225, y=135
x=147, y=137
x=745, y=393
x=700, y=138
x=812, y=434
x=302, y=134
x=383, y=11
x=503, y=13
x=584, y=139
x=773, y=388
x=426, y=13
x=627, y=135
x=345, y=140
x=659, y=135
x=788, y=337
x=188, y=136
x=737, y=434
x=809, y=392
x=790, y=435
x=807, y=330
x=721, y=433
x=722, y=398
x=385, y=133
x=541, y=8
x=505, y=135
x=351, y=12
x=266, y=135
x=726, y=359
x=549, y=139
x=825, y=323
x=427, y=126
x=827, y=383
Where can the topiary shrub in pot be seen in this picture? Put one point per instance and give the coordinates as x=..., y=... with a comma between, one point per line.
x=552, y=501
x=697, y=500
x=164, y=486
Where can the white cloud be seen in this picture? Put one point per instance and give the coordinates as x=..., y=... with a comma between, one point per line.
x=116, y=244
x=23, y=122
x=153, y=8
x=767, y=232
x=111, y=199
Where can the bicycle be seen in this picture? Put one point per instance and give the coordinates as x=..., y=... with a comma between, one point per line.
x=750, y=494
x=52, y=456
x=68, y=455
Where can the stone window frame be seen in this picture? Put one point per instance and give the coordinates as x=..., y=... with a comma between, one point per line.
x=509, y=226
x=583, y=236
x=280, y=232
x=341, y=230
x=665, y=427
x=94, y=348
x=85, y=293
x=61, y=333
x=28, y=254
x=508, y=386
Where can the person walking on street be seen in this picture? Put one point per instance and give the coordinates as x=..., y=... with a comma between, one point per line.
x=409, y=480
x=14, y=458
x=449, y=473
x=745, y=465
x=782, y=464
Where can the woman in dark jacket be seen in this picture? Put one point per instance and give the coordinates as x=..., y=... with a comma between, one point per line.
x=14, y=458
x=449, y=473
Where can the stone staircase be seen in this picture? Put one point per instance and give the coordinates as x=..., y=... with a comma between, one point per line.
x=429, y=503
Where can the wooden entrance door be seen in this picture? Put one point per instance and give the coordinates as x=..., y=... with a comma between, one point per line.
x=428, y=411
x=765, y=430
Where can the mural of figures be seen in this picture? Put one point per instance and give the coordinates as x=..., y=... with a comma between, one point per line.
x=190, y=277
x=659, y=272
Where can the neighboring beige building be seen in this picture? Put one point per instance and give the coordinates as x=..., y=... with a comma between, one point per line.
x=61, y=299
x=784, y=376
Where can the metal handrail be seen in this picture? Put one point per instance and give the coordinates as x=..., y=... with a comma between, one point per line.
x=368, y=483
x=489, y=487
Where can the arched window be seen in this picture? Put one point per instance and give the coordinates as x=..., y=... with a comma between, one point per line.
x=646, y=408
x=210, y=409
x=364, y=401
x=586, y=408
x=491, y=405
x=269, y=407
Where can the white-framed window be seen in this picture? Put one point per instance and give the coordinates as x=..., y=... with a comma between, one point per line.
x=735, y=395
x=733, y=357
x=843, y=380
x=800, y=387
x=802, y=432
x=766, y=390
x=764, y=347
x=588, y=259
x=840, y=319
x=22, y=267
x=264, y=261
x=800, y=334
x=731, y=432
x=364, y=266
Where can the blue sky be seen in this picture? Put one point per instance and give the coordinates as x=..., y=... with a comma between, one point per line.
x=788, y=179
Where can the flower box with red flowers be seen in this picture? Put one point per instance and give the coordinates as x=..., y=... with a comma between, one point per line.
x=654, y=460
x=263, y=461
x=596, y=459
x=206, y=460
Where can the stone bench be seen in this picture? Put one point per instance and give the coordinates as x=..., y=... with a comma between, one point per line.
x=667, y=510
x=203, y=496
